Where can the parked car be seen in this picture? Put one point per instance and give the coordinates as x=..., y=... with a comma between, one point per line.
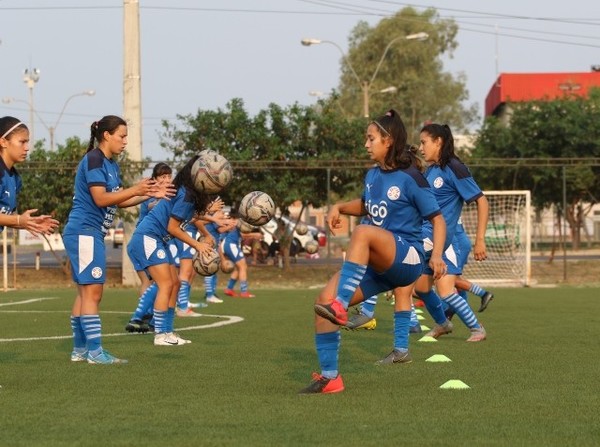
x=118, y=235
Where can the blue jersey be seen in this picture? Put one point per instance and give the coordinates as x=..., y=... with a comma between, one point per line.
x=452, y=186
x=181, y=207
x=398, y=201
x=145, y=208
x=93, y=170
x=10, y=182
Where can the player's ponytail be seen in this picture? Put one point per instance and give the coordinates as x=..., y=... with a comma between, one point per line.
x=109, y=124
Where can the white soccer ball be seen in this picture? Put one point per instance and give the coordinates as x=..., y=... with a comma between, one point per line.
x=206, y=264
x=301, y=228
x=257, y=208
x=211, y=172
x=311, y=247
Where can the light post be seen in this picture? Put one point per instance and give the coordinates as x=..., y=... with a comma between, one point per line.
x=51, y=129
x=365, y=85
x=30, y=77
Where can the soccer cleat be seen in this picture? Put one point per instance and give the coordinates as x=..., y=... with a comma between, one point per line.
x=167, y=339
x=105, y=358
x=478, y=334
x=419, y=303
x=360, y=321
x=323, y=385
x=137, y=326
x=395, y=356
x=485, y=300
x=230, y=292
x=179, y=339
x=197, y=305
x=415, y=329
x=441, y=329
x=77, y=356
x=214, y=299
x=187, y=313
x=333, y=312
x=245, y=295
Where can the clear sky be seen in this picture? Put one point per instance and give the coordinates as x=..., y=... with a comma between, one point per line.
x=199, y=54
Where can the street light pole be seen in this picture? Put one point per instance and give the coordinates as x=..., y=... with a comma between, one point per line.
x=51, y=129
x=365, y=86
x=30, y=77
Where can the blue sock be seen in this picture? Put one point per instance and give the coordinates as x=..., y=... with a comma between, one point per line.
x=350, y=277
x=463, y=310
x=434, y=305
x=477, y=290
x=328, y=347
x=92, y=328
x=368, y=306
x=464, y=295
x=170, y=319
x=243, y=286
x=183, y=296
x=146, y=302
x=160, y=323
x=401, y=327
x=78, y=334
x=208, y=286
x=231, y=283
x=414, y=320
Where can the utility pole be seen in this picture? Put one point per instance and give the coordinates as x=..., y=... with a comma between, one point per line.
x=132, y=109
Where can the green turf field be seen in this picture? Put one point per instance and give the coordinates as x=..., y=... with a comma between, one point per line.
x=535, y=381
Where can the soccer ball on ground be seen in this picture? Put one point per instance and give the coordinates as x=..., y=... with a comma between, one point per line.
x=227, y=266
x=301, y=228
x=211, y=172
x=257, y=208
x=206, y=264
x=311, y=247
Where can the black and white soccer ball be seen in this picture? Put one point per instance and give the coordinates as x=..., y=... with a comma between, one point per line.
x=206, y=264
x=311, y=247
x=227, y=266
x=257, y=208
x=211, y=172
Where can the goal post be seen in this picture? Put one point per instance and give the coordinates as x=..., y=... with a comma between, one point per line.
x=508, y=239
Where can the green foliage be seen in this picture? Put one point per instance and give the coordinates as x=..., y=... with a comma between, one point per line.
x=425, y=92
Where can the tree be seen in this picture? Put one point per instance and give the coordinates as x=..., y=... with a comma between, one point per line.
x=566, y=128
x=425, y=92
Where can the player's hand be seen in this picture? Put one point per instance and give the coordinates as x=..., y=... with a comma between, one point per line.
x=333, y=219
x=439, y=267
x=203, y=247
x=44, y=224
x=210, y=240
x=480, y=251
x=216, y=205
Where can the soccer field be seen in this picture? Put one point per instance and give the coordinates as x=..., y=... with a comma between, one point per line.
x=535, y=381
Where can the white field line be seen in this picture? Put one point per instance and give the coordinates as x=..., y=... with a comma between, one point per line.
x=226, y=320
x=33, y=300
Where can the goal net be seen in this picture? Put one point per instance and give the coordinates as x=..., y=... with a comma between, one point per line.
x=507, y=238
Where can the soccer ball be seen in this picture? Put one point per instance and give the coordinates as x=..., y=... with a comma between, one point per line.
x=301, y=228
x=211, y=172
x=257, y=208
x=206, y=264
x=311, y=247
x=227, y=266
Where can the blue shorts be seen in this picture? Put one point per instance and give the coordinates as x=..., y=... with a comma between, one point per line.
x=180, y=250
x=145, y=251
x=406, y=269
x=87, y=253
x=450, y=257
x=233, y=252
x=463, y=245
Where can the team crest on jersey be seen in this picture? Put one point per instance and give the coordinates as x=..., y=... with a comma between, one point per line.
x=96, y=272
x=160, y=254
x=438, y=182
x=393, y=193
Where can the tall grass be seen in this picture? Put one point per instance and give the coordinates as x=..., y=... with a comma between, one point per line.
x=533, y=382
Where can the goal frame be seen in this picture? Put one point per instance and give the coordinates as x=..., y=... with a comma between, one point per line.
x=516, y=250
